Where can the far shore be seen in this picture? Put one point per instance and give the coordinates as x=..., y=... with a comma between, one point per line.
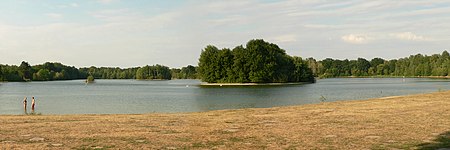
x=250, y=84
x=244, y=84
x=431, y=77
x=419, y=121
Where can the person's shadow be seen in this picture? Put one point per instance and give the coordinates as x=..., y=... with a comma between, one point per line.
x=441, y=141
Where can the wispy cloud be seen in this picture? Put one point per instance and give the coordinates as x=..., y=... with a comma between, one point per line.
x=71, y=5
x=54, y=15
x=106, y=1
x=74, y=4
x=355, y=38
x=409, y=36
x=284, y=38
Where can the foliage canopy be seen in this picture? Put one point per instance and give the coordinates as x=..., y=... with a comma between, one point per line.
x=258, y=62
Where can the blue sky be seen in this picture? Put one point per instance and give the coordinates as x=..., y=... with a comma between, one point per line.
x=119, y=33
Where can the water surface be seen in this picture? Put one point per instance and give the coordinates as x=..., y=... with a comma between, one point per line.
x=134, y=96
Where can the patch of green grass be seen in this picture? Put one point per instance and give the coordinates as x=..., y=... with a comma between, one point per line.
x=95, y=147
x=133, y=140
x=403, y=146
x=214, y=143
x=91, y=140
x=170, y=132
x=155, y=130
x=182, y=139
x=198, y=145
x=5, y=131
x=148, y=126
x=326, y=141
x=378, y=147
x=235, y=139
x=220, y=132
x=441, y=141
x=67, y=120
x=291, y=147
x=208, y=144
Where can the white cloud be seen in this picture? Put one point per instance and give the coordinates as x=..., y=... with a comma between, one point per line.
x=106, y=1
x=74, y=4
x=409, y=36
x=54, y=15
x=284, y=38
x=355, y=38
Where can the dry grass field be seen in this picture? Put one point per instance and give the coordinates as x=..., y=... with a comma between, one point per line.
x=403, y=122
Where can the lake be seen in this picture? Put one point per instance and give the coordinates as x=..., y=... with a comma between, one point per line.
x=135, y=96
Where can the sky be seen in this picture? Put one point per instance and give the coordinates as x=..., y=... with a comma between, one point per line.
x=131, y=33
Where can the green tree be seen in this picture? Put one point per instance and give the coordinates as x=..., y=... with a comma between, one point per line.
x=188, y=72
x=25, y=71
x=43, y=75
x=1, y=73
x=240, y=65
x=154, y=72
x=90, y=79
x=209, y=64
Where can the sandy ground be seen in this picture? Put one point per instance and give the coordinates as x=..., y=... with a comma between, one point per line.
x=401, y=122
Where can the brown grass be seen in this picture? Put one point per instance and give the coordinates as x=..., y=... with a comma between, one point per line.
x=405, y=122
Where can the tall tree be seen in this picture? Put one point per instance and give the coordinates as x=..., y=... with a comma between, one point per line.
x=25, y=71
x=209, y=64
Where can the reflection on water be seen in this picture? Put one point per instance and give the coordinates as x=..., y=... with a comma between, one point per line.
x=133, y=96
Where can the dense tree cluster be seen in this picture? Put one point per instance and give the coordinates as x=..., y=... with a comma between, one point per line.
x=153, y=72
x=109, y=72
x=412, y=66
x=44, y=72
x=188, y=72
x=258, y=62
x=57, y=71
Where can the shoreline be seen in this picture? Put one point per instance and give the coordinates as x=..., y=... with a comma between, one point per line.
x=251, y=84
x=425, y=77
x=397, y=122
x=317, y=78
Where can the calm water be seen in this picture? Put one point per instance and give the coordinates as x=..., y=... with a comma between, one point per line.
x=132, y=96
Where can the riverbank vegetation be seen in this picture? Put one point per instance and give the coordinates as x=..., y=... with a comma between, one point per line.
x=257, y=62
x=413, y=66
x=56, y=71
x=153, y=72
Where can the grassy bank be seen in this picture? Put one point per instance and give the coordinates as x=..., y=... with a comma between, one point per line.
x=404, y=122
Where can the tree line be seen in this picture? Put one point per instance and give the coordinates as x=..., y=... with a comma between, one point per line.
x=413, y=66
x=257, y=62
x=50, y=71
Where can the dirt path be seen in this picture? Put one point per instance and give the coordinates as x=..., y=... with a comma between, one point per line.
x=405, y=122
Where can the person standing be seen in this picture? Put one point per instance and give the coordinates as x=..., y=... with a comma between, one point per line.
x=25, y=104
x=32, y=103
